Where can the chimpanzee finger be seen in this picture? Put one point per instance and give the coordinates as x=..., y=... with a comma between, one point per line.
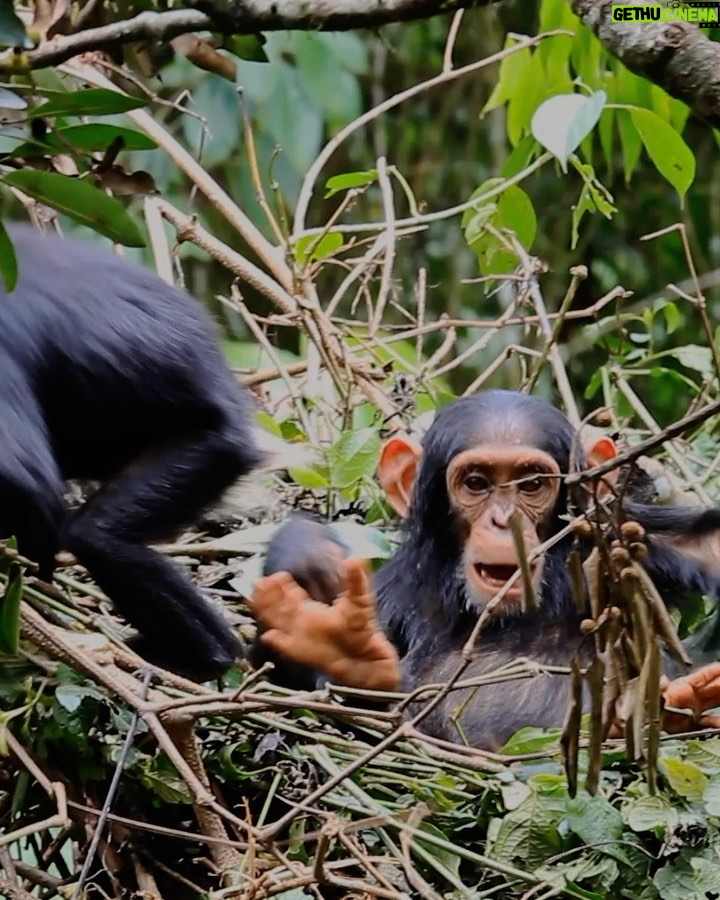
x=357, y=603
x=277, y=600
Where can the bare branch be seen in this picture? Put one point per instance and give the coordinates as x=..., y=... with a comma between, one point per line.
x=235, y=17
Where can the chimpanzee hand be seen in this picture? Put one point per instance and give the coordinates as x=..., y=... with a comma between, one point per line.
x=343, y=640
x=698, y=691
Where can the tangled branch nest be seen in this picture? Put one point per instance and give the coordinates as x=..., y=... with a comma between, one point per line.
x=140, y=783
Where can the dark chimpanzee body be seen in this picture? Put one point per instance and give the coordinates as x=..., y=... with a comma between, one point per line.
x=485, y=457
x=108, y=373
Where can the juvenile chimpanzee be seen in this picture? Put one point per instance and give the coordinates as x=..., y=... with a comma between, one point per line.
x=107, y=373
x=484, y=458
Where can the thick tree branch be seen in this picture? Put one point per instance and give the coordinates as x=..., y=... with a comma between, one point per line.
x=674, y=55
x=239, y=17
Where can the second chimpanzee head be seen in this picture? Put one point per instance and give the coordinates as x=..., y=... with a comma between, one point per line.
x=485, y=457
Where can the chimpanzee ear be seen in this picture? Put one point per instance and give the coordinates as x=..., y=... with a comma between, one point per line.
x=599, y=449
x=399, y=461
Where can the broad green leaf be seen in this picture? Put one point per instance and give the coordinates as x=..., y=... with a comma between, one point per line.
x=594, y=819
x=8, y=261
x=11, y=100
x=650, y=813
x=348, y=48
x=512, y=73
x=588, y=57
x=81, y=201
x=630, y=142
x=706, y=875
x=12, y=30
x=309, y=478
x=695, y=357
x=10, y=611
x=685, y=778
x=299, y=136
x=516, y=213
x=524, y=101
x=98, y=136
x=521, y=157
x=246, y=46
x=532, y=740
x=475, y=227
x=529, y=834
x=672, y=157
x=70, y=695
x=353, y=457
x=675, y=881
x=348, y=181
x=705, y=754
x=711, y=797
x=328, y=245
x=562, y=122
x=672, y=317
x=90, y=102
x=479, y=206
x=327, y=81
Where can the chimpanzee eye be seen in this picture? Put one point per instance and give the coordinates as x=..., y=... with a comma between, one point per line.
x=475, y=483
x=530, y=485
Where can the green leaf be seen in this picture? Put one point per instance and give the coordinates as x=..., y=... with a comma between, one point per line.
x=521, y=157
x=71, y=695
x=12, y=30
x=629, y=142
x=711, y=798
x=651, y=813
x=328, y=245
x=516, y=213
x=530, y=833
x=299, y=136
x=246, y=46
x=327, y=81
x=685, y=778
x=348, y=48
x=309, y=478
x=353, y=457
x=525, y=100
x=348, y=181
x=562, y=122
x=513, y=69
x=672, y=157
x=672, y=317
x=594, y=819
x=98, y=136
x=10, y=611
x=532, y=740
x=8, y=260
x=81, y=201
x=694, y=357
x=11, y=100
x=91, y=102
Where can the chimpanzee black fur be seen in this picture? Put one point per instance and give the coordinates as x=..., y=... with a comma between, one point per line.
x=108, y=373
x=422, y=594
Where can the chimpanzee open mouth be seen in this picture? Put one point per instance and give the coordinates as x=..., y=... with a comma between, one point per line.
x=497, y=574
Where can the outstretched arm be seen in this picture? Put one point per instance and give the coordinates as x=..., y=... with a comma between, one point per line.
x=343, y=640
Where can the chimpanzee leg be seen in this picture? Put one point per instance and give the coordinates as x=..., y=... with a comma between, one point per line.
x=179, y=629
